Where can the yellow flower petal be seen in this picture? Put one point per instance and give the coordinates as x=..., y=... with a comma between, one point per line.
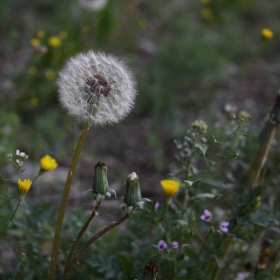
x=48, y=163
x=169, y=187
x=23, y=188
x=267, y=34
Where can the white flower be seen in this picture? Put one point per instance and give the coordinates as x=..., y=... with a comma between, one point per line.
x=97, y=88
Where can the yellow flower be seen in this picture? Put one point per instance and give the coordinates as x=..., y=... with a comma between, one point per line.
x=85, y=29
x=207, y=14
x=169, y=187
x=32, y=70
x=23, y=188
x=48, y=163
x=54, y=41
x=40, y=33
x=63, y=34
x=267, y=34
x=50, y=74
x=34, y=101
x=35, y=42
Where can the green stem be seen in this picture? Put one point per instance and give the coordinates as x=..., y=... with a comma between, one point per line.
x=227, y=249
x=19, y=201
x=79, y=236
x=263, y=158
x=63, y=203
x=78, y=255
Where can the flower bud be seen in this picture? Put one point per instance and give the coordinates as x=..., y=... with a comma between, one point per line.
x=150, y=271
x=100, y=183
x=132, y=193
x=23, y=188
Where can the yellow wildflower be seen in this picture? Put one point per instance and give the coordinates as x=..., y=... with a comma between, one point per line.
x=34, y=101
x=54, y=41
x=207, y=14
x=50, y=74
x=40, y=33
x=169, y=187
x=35, y=42
x=23, y=188
x=267, y=34
x=48, y=163
x=85, y=29
x=32, y=70
x=63, y=34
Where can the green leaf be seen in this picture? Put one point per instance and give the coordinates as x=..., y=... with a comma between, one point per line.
x=214, y=183
x=262, y=219
x=219, y=261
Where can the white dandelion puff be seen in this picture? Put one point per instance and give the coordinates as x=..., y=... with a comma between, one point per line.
x=96, y=88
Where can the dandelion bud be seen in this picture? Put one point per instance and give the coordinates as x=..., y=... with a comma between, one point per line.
x=96, y=88
x=23, y=188
x=150, y=271
x=169, y=187
x=132, y=193
x=100, y=186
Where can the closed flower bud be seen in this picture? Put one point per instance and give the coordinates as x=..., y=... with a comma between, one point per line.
x=100, y=186
x=150, y=271
x=23, y=188
x=132, y=193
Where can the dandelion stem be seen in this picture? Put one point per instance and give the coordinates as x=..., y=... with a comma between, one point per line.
x=79, y=236
x=63, y=203
x=78, y=255
x=19, y=201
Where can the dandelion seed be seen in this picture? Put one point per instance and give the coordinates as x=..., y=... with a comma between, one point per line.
x=48, y=163
x=207, y=217
x=223, y=226
x=97, y=88
x=162, y=245
x=23, y=188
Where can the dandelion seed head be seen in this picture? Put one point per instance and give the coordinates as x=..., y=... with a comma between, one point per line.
x=96, y=87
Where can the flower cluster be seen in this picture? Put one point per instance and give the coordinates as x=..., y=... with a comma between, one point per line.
x=18, y=158
x=162, y=245
x=207, y=217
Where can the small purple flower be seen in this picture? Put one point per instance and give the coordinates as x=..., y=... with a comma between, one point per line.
x=223, y=226
x=175, y=244
x=161, y=245
x=156, y=206
x=207, y=217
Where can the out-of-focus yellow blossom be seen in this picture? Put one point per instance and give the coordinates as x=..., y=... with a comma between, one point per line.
x=85, y=29
x=143, y=23
x=32, y=70
x=35, y=42
x=169, y=187
x=34, y=101
x=207, y=14
x=50, y=74
x=267, y=34
x=23, y=188
x=48, y=163
x=54, y=41
x=204, y=2
x=63, y=34
x=40, y=33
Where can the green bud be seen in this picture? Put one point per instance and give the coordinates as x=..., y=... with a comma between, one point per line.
x=274, y=115
x=150, y=271
x=100, y=183
x=132, y=193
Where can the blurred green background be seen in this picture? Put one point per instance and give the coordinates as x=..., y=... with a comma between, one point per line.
x=190, y=59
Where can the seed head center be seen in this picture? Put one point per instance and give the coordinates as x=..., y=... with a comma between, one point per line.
x=97, y=85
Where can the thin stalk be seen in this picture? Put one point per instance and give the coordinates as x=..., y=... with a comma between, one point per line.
x=263, y=158
x=19, y=201
x=227, y=249
x=79, y=236
x=63, y=203
x=78, y=255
